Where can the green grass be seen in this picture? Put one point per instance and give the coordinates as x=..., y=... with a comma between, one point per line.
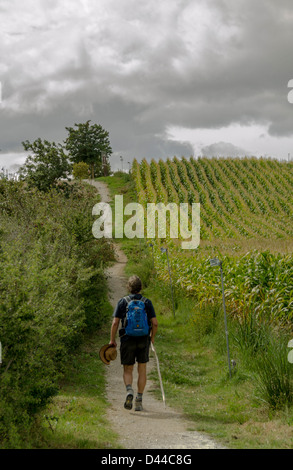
x=196, y=380
x=76, y=419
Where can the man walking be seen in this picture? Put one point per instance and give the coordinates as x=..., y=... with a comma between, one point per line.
x=133, y=346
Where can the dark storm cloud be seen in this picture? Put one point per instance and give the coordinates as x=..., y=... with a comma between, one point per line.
x=220, y=149
x=142, y=68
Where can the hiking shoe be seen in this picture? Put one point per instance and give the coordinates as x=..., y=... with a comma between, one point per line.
x=138, y=404
x=128, y=401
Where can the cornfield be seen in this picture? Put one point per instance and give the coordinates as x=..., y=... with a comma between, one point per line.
x=246, y=208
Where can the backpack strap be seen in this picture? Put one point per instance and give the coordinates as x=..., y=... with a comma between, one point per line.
x=128, y=299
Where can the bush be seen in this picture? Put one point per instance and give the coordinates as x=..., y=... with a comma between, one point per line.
x=47, y=164
x=80, y=170
x=251, y=335
x=274, y=373
x=52, y=290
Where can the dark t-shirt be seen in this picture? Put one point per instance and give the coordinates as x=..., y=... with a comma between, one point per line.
x=120, y=309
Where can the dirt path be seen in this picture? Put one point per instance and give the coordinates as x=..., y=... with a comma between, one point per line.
x=157, y=427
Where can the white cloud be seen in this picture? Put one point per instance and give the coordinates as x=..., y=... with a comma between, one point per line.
x=7, y=160
x=235, y=140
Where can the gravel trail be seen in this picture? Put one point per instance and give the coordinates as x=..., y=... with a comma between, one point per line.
x=157, y=426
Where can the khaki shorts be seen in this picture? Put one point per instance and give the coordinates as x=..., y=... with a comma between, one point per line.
x=134, y=348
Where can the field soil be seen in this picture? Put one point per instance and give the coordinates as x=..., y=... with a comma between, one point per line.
x=157, y=426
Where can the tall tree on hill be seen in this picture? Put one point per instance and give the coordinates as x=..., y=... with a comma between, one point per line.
x=87, y=144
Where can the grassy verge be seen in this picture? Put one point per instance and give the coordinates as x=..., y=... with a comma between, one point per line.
x=193, y=361
x=195, y=375
x=76, y=419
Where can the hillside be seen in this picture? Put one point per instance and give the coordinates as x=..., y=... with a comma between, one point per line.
x=246, y=208
x=245, y=203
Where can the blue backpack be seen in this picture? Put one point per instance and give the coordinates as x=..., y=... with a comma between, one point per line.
x=136, y=317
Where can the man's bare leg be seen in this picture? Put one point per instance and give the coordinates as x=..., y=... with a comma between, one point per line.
x=141, y=383
x=142, y=377
x=128, y=374
x=128, y=378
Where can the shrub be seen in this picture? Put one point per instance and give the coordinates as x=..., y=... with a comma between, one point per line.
x=47, y=164
x=52, y=290
x=274, y=373
x=80, y=170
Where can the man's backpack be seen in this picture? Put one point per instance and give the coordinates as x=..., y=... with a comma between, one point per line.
x=136, y=317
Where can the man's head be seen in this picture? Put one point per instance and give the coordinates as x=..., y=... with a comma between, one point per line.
x=134, y=285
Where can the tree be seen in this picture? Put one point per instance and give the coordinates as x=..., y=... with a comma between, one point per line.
x=87, y=144
x=80, y=170
x=47, y=164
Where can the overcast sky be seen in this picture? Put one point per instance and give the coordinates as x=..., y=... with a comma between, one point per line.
x=165, y=78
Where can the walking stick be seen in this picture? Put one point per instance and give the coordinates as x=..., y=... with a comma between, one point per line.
x=159, y=373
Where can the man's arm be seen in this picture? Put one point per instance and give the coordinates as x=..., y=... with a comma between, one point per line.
x=114, y=328
x=154, y=329
x=117, y=316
